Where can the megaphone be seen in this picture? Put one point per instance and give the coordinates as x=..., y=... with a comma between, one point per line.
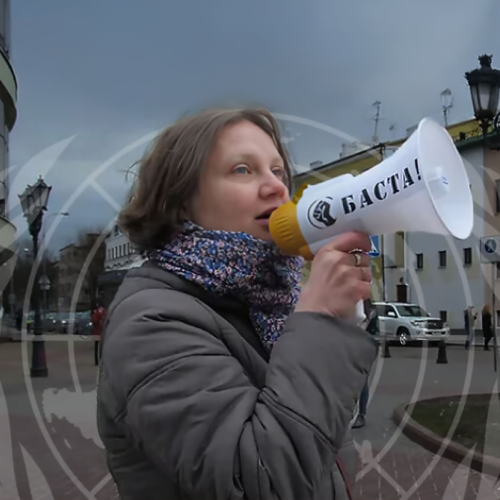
x=422, y=187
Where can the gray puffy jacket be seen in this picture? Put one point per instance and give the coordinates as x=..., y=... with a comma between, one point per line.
x=191, y=407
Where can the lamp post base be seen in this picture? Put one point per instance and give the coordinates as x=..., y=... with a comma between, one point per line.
x=38, y=360
x=39, y=372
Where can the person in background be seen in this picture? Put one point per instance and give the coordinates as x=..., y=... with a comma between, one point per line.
x=19, y=318
x=487, y=325
x=220, y=377
x=371, y=326
x=97, y=320
x=469, y=319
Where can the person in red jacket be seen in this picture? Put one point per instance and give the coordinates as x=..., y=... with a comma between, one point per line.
x=97, y=322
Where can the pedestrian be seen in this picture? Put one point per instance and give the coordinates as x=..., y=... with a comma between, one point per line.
x=370, y=324
x=487, y=325
x=219, y=376
x=98, y=316
x=469, y=319
x=19, y=318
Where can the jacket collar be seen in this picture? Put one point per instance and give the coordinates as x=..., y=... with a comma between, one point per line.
x=150, y=271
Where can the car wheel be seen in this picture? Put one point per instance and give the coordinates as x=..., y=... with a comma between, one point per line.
x=403, y=336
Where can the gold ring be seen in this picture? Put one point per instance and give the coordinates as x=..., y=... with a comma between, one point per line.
x=358, y=259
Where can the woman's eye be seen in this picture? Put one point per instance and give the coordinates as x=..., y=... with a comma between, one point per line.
x=279, y=172
x=241, y=169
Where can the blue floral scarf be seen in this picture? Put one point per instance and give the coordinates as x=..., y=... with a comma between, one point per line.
x=237, y=265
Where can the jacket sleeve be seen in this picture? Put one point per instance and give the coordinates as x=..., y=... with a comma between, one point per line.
x=200, y=419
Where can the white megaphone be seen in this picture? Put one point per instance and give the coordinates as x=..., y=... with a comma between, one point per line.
x=422, y=187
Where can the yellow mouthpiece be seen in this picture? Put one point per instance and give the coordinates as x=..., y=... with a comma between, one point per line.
x=286, y=233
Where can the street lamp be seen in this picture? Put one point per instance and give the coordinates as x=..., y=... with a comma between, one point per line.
x=44, y=283
x=44, y=244
x=484, y=84
x=34, y=201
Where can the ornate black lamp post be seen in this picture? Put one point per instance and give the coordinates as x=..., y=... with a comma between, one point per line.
x=484, y=84
x=33, y=202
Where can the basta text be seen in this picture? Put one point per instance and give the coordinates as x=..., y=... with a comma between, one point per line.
x=386, y=187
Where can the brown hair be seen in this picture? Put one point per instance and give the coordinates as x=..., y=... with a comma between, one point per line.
x=486, y=309
x=170, y=171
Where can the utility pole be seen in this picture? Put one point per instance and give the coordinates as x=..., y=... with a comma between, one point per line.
x=377, y=119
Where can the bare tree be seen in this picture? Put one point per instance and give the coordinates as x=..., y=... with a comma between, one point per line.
x=19, y=270
x=91, y=243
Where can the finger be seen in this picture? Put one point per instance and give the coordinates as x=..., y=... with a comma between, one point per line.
x=346, y=242
x=363, y=274
x=350, y=259
x=364, y=289
x=366, y=275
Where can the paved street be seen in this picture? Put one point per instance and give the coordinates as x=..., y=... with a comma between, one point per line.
x=50, y=427
x=393, y=467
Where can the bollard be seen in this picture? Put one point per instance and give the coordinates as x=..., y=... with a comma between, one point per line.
x=442, y=358
x=385, y=346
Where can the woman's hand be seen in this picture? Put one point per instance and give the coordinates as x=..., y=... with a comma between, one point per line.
x=336, y=283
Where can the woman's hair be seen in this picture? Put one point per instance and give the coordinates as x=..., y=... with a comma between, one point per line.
x=170, y=170
x=487, y=309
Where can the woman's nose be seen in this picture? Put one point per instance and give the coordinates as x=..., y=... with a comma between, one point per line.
x=272, y=185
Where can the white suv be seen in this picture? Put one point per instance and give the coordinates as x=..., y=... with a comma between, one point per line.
x=409, y=322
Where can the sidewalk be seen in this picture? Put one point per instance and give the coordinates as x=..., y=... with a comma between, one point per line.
x=393, y=467
x=48, y=432
x=49, y=435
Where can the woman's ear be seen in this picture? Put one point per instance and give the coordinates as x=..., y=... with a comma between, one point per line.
x=184, y=213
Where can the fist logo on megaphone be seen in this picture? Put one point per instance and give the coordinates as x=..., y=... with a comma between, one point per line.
x=422, y=187
x=319, y=213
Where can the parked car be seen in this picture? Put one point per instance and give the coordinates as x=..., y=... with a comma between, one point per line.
x=76, y=323
x=409, y=323
x=50, y=322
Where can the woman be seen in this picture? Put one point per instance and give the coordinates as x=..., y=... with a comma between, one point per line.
x=219, y=378
x=487, y=326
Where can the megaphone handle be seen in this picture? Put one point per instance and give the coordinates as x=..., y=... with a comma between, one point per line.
x=360, y=312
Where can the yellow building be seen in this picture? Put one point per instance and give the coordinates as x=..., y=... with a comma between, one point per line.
x=353, y=164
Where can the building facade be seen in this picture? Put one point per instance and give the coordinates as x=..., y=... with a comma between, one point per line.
x=443, y=274
x=8, y=115
x=120, y=253
x=120, y=257
x=79, y=267
x=72, y=284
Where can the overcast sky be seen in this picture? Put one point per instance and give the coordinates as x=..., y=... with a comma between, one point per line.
x=98, y=77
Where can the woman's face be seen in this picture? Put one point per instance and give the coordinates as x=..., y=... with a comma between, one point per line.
x=243, y=182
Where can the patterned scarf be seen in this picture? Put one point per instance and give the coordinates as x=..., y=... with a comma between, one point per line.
x=237, y=265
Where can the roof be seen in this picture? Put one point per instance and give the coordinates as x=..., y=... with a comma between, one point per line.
x=465, y=134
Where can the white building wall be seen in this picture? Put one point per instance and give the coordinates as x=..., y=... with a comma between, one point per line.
x=456, y=286
x=392, y=274
x=120, y=254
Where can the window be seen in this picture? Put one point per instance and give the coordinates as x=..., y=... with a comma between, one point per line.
x=411, y=311
x=467, y=256
x=442, y=258
x=497, y=195
x=389, y=312
x=420, y=260
x=384, y=310
x=443, y=315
